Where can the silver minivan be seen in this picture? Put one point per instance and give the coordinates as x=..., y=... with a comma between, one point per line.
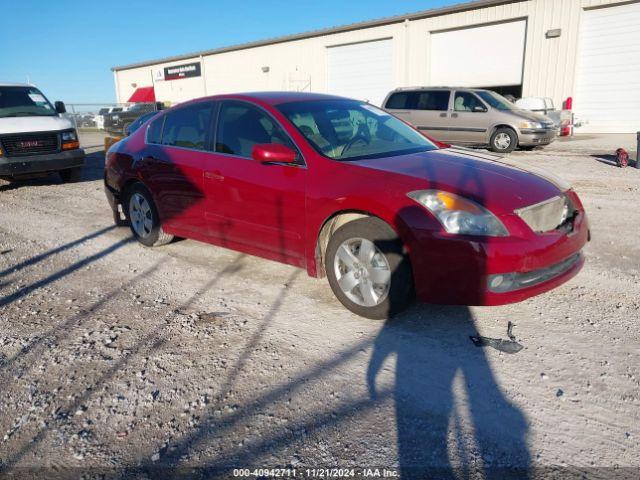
x=470, y=116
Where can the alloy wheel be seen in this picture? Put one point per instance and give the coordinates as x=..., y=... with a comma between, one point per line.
x=140, y=215
x=502, y=141
x=362, y=272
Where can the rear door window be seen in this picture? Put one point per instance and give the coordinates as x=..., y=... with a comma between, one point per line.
x=437, y=100
x=187, y=127
x=241, y=126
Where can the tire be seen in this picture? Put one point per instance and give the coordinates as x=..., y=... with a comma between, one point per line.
x=503, y=140
x=139, y=204
x=71, y=175
x=388, y=255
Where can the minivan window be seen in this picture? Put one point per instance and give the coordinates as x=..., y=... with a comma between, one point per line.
x=496, y=100
x=187, y=126
x=402, y=101
x=467, y=102
x=351, y=130
x=18, y=101
x=241, y=126
x=437, y=100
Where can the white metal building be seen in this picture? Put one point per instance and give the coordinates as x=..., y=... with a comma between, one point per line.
x=585, y=49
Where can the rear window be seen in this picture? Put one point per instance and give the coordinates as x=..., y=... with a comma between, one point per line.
x=187, y=127
x=437, y=100
x=154, y=132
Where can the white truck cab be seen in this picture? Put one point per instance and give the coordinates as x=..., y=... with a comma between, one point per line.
x=35, y=137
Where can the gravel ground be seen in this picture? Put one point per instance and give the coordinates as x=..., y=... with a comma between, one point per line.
x=191, y=360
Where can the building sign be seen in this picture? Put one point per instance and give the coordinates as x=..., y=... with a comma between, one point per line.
x=158, y=75
x=182, y=71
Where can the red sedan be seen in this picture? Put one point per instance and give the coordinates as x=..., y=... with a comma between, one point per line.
x=344, y=189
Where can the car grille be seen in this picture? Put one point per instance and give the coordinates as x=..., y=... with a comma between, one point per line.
x=548, y=215
x=30, y=144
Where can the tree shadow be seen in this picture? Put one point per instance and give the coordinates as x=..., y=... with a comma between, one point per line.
x=452, y=417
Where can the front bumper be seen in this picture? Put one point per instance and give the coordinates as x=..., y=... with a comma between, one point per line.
x=536, y=136
x=457, y=271
x=32, y=164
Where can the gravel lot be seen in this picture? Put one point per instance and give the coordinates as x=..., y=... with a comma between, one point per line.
x=191, y=360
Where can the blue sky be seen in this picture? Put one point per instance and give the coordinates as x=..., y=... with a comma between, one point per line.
x=67, y=48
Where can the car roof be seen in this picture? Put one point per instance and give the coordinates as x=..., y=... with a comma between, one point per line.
x=7, y=84
x=473, y=89
x=273, y=98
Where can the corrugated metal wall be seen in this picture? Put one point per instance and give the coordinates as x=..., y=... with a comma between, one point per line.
x=549, y=64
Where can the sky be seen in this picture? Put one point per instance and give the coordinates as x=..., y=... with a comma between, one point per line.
x=67, y=48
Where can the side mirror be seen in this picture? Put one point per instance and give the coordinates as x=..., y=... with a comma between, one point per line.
x=273, y=153
x=479, y=108
x=60, y=108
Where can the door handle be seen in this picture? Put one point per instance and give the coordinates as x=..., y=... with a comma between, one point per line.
x=214, y=176
x=443, y=114
x=454, y=115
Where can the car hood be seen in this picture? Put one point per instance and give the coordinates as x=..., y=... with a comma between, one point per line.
x=34, y=124
x=492, y=181
x=529, y=115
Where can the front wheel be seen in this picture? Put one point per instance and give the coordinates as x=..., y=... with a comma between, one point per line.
x=503, y=140
x=368, y=270
x=143, y=218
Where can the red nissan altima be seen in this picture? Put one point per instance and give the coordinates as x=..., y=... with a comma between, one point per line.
x=343, y=189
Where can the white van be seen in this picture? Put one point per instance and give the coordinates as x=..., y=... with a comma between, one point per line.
x=35, y=137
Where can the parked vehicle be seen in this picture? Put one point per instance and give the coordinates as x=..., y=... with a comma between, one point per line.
x=545, y=106
x=103, y=112
x=138, y=122
x=35, y=137
x=346, y=190
x=116, y=123
x=468, y=116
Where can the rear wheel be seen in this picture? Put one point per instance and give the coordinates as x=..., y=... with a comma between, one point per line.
x=503, y=140
x=368, y=270
x=71, y=175
x=143, y=218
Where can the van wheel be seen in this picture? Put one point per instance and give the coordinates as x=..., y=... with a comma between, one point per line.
x=71, y=175
x=503, y=140
x=142, y=214
x=368, y=270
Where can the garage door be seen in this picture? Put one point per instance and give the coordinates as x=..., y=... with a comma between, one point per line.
x=361, y=70
x=607, y=92
x=486, y=56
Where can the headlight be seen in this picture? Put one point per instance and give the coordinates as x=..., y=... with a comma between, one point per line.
x=459, y=215
x=115, y=117
x=530, y=125
x=69, y=136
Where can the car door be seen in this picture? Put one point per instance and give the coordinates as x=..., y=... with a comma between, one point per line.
x=469, y=118
x=431, y=113
x=173, y=167
x=255, y=207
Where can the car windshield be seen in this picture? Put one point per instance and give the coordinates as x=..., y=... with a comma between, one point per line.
x=351, y=130
x=496, y=100
x=23, y=102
